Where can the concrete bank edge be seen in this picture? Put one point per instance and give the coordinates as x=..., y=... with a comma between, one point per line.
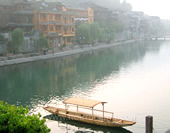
x=60, y=54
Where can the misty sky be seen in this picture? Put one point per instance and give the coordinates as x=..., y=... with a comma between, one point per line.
x=159, y=8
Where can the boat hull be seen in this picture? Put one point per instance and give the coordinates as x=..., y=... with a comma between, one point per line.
x=88, y=118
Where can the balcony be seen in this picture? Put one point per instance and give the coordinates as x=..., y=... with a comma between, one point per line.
x=45, y=32
x=59, y=23
x=59, y=32
x=69, y=24
x=52, y=34
x=47, y=22
x=67, y=34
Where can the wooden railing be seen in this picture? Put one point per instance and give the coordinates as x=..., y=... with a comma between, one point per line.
x=93, y=109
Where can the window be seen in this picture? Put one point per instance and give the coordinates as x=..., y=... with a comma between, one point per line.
x=5, y=8
x=57, y=17
x=65, y=31
x=68, y=39
x=72, y=29
x=58, y=28
x=90, y=19
x=31, y=6
x=72, y=20
x=51, y=16
x=21, y=6
x=27, y=20
x=65, y=20
x=44, y=28
x=91, y=13
x=51, y=28
x=44, y=16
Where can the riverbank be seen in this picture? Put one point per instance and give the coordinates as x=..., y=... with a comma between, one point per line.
x=66, y=52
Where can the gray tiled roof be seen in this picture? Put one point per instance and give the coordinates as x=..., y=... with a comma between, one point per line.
x=39, y=5
x=20, y=25
x=13, y=2
x=6, y=2
x=24, y=12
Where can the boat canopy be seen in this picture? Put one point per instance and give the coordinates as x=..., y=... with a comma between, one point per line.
x=82, y=102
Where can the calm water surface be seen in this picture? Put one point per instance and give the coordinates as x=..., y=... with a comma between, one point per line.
x=134, y=79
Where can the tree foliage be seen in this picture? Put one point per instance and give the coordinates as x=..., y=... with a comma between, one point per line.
x=15, y=120
x=119, y=27
x=43, y=42
x=88, y=33
x=83, y=33
x=17, y=38
x=1, y=37
x=110, y=32
x=92, y=33
x=101, y=34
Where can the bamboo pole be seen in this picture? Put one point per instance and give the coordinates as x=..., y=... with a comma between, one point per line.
x=92, y=114
x=103, y=111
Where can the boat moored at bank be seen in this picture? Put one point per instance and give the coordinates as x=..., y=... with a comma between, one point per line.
x=90, y=118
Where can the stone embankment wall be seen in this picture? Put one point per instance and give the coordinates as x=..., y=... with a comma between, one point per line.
x=74, y=50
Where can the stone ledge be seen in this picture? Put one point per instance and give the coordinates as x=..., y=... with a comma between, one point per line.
x=59, y=54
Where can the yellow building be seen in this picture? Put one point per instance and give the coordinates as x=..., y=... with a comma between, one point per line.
x=82, y=15
x=57, y=26
x=57, y=22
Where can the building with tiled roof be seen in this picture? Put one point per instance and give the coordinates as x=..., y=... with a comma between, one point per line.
x=82, y=14
x=57, y=24
x=16, y=14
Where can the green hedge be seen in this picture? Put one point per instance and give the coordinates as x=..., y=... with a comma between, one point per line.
x=15, y=120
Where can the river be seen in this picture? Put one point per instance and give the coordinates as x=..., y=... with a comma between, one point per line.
x=133, y=78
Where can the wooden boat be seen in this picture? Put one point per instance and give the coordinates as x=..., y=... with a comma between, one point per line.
x=87, y=117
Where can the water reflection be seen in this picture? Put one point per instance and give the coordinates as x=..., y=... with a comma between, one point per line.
x=45, y=79
x=133, y=78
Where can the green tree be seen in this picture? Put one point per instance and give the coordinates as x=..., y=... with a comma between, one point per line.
x=94, y=32
x=1, y=37
x=110, y=32
x=101, y=35
x=119, y=27
x=17, y=39
x=16, y=120
x=83, y=34
x=88, y=33
x=43, y=42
